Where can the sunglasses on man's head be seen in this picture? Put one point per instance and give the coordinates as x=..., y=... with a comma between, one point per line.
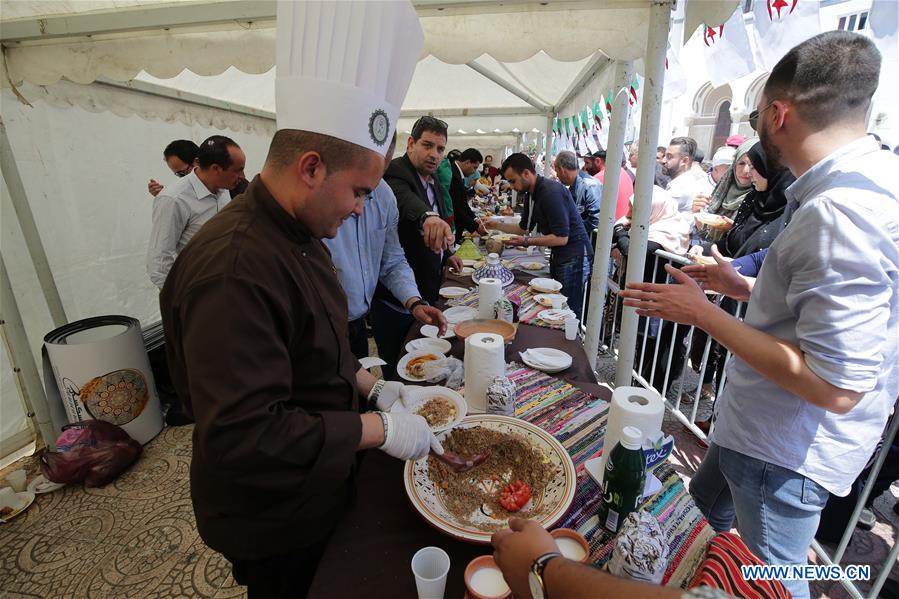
x=754, y=116
x=427, y=122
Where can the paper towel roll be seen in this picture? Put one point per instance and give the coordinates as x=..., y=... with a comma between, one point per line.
x=632, y=406
x=485, y=358
x=489, y=292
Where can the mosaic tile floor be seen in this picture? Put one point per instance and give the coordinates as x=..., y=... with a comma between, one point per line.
x=133, y=538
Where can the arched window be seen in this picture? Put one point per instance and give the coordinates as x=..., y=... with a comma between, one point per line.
x=722, y=126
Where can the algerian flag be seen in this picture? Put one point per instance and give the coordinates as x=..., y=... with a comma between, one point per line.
x=609, y=101
x=597, y=114
x=781, y=24
x=588, y=139
x=635, y=85
x=728, y=55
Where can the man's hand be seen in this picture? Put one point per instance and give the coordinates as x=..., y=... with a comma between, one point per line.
x=409, y=437
x=516, y=548
x=515, y=240
x=482, y=230
x=721, y=277
x=455, y=264
x=438, y=234
x=684, y=303
x=431, y=315
x=154, y=187
x=617, y=256
x=701, y=202
x=392, y=397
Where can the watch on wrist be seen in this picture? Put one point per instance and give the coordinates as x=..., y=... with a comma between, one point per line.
x=417, y=303
x=535, y=576
x=428, y=215
x=527, y=240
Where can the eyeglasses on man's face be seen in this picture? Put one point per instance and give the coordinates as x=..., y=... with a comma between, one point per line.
x=754, y=116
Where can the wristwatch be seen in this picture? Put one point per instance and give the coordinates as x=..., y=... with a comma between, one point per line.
x=527, y=239
x=535, y=576
x=428, y=215
x=417, y=303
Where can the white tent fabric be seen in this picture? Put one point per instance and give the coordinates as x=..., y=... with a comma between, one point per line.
x=85, y=151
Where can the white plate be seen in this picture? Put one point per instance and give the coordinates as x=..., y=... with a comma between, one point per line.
x=545, y=299
x=555, y=316
x=451, y=292
x=430, y=330
x=565, y=360
x=469, y=262
x=401, y=366
x=532, y=265
x=549, y=509
x=466, y=270
x=41, y=485
x=545, y=285
x=458, y=314
x=420, y=395
x=430, y=345
x=25, y=499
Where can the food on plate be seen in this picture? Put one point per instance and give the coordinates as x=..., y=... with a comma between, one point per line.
x=514, y=496
x=6, y=511
x=416, y=366
x=712, y=220
x=438, y=411
x=532, y=265
x=511, y=458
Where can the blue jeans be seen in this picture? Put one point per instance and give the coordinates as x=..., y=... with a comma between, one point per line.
x=777, y=510
x=572, y=273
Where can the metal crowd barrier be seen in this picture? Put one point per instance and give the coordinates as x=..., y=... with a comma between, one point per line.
x=648, y=373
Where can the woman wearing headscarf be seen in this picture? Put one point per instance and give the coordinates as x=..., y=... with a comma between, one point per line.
x=728, y=195
x=764, y=212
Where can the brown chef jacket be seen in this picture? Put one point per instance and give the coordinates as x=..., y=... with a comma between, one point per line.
x=256, y=334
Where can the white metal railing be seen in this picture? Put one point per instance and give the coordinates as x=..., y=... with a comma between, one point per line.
x=668, y=338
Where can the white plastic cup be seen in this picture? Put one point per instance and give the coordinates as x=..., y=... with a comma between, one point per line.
x=556, y=302
x=430, y=565
x=8, y=497
x=17, y=480
x=531, y=250
x=571, y=328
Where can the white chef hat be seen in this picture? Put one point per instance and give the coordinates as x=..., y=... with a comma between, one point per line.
x=343, y=68
x=724, y=155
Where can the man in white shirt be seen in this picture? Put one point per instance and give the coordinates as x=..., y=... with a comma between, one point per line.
x=181, y=209
x=815, y=371
x=684, y=185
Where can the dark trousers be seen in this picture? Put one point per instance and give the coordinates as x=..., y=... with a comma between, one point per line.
x=572, y=273
x=358, y=333
x=389, y=328
x=286, y=576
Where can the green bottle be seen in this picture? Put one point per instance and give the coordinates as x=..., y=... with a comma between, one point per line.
x=623, y=480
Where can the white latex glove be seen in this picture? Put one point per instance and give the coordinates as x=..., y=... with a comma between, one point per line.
x=409, y=437
x=392, y=397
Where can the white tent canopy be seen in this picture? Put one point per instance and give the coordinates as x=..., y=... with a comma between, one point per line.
x=208, y=64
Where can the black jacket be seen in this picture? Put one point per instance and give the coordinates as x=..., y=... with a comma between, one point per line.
x=412, y=203
x=464, y=215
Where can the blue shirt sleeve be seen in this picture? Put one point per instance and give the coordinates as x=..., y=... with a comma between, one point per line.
x=395, y=272
x=750, y=264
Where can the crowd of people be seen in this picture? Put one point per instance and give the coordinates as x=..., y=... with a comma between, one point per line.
x=282, y=405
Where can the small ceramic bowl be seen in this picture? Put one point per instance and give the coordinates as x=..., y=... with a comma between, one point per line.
x=484, y=561
x=576, y=537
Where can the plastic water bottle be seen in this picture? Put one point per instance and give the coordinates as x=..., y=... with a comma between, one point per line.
x=623, y=480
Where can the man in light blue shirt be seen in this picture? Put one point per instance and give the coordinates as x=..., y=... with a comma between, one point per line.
x=815, y=371
x=367, y=250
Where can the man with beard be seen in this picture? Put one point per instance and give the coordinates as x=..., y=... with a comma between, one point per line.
x=256, y=321
x=685, y=186
x=814, y=375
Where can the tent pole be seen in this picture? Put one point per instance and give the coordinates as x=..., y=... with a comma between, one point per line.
x=547, y=146
x=24, y=369
x=656, y=45
x=29, y=229
x=624, y=74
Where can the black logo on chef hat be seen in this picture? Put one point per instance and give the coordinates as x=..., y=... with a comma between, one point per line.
x=379, y=127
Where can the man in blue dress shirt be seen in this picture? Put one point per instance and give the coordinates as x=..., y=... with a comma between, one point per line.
x=367, y=250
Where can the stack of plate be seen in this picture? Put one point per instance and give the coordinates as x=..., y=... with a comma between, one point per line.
x=546, y=359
